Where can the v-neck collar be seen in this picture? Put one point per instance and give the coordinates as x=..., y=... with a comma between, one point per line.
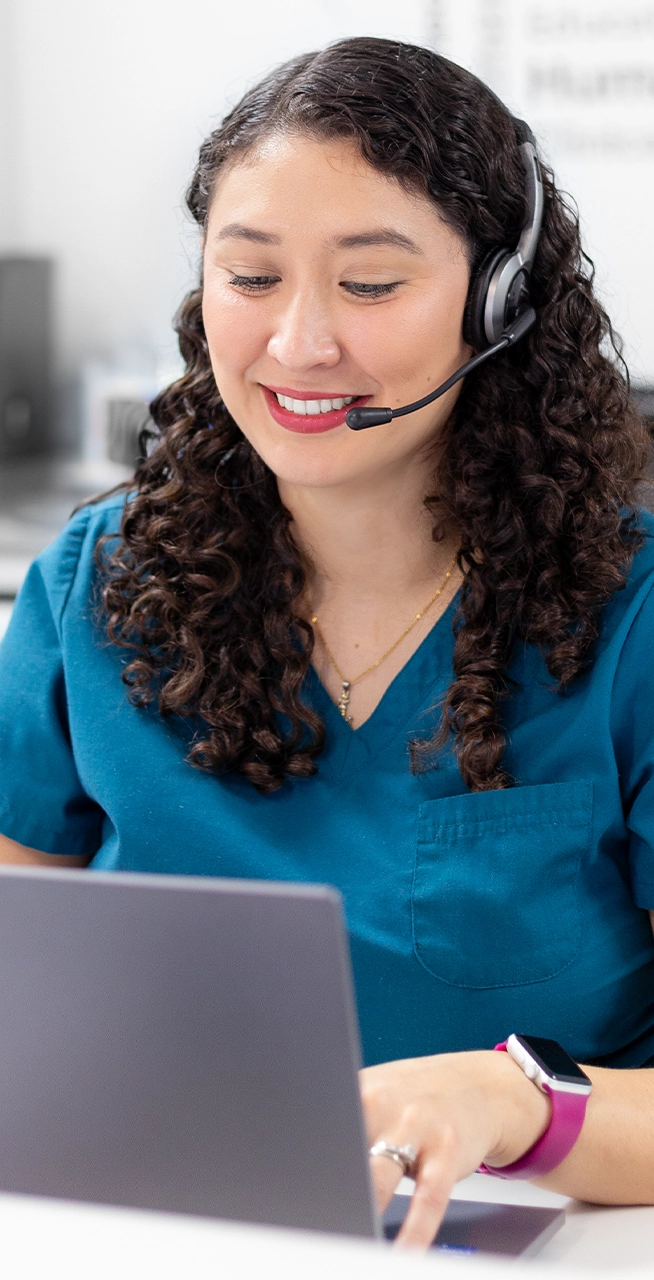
x=413, y=689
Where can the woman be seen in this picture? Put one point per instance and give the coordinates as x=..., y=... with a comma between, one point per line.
x=411, y=661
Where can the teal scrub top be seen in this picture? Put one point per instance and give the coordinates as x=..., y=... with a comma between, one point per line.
x=470, y=915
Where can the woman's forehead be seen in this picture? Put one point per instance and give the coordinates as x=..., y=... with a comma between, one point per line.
x=294, y=185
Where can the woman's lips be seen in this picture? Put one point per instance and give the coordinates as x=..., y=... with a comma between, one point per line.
x=307, y=424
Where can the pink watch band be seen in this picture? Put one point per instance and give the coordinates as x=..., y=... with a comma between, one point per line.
x=568, y=1113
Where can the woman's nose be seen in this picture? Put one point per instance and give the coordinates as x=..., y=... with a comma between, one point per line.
x=303, y=337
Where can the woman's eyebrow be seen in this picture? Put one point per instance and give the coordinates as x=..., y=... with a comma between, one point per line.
x=380, y=235
x=238, y=231
x=360, y=240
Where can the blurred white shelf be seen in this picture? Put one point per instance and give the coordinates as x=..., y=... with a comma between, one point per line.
x=37, y=497
x=12, y=571
x=5, y=614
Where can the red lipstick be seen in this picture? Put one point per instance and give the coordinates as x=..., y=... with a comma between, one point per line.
x=309, y=423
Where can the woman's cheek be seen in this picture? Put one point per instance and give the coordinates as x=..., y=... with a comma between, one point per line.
x=376, y=344
x=233, y=336
x=396, y=345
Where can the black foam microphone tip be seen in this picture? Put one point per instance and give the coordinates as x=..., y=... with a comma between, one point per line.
x=358, y=419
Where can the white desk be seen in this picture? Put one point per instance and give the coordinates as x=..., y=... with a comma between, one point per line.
x=63, y=1241
x=593, y=1237
x=37, y=496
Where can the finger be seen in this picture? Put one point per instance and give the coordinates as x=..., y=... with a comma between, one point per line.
x=386, y=1176
x=377, y=1104
x=436, y=1176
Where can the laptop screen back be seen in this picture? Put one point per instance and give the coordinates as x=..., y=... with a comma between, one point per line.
x=181, y=1044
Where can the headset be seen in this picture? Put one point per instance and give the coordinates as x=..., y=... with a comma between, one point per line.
x=498, y=310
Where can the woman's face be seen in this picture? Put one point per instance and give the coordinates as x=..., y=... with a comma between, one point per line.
x=325, y=281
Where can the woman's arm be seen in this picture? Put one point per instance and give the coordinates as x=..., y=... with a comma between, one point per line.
x=461, y=1109
x=19, y=855
x=612, y=1161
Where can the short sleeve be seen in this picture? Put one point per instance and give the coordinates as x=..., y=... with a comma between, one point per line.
x=632, y=725
x=42, y=802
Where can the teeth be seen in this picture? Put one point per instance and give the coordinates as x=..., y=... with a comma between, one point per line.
x=313, y=406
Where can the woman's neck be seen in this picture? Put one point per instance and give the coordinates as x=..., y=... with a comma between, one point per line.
x=378, y=582
x=369, y=541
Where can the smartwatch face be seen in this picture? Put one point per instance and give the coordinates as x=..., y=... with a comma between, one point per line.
x=554, y=1060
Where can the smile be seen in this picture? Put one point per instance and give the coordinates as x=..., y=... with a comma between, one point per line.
x=308, y=412
x=313, y=406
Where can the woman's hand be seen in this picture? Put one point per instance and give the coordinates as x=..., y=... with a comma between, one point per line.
x=20, y=855
x=456, y=1110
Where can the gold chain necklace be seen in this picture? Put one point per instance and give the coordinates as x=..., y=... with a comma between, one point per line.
x=344, y=700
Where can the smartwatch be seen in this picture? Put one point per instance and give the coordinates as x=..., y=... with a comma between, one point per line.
x=555, y=1073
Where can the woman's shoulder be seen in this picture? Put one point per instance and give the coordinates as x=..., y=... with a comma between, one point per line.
x=642, y=568
x=86, y=526
x=636, y=598
x=71, y=557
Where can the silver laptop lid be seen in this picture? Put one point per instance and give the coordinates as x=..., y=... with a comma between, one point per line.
x=181, y=1044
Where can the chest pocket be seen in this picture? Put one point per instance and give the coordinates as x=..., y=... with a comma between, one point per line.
x=494, y=899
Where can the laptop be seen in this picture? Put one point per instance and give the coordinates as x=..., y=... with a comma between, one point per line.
x=191, y=1045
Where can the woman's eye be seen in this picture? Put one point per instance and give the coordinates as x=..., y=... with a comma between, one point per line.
x=254, y=284
x=369, y=290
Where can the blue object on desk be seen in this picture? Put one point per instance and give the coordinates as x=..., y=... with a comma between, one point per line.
x=476, y=1226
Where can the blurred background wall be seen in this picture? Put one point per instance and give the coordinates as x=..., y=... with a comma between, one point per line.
x=582, y=73
x=103, y=108
x=103, y=104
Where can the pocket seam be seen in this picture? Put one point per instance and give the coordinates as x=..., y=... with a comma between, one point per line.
x=573, y=817
x=585, y=818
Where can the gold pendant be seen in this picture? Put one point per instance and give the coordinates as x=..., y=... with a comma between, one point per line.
x=344, y=700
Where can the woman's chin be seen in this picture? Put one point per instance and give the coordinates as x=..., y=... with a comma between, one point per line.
x=326, y=474
x=314, y=461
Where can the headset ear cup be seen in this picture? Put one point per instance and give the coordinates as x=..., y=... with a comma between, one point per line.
x=474, y=330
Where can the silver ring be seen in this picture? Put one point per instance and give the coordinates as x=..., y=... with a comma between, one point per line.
x=405, y=1157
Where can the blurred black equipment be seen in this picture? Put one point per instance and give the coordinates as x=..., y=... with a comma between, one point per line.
x=126, y=422
x=498, y=311
x=25, y=352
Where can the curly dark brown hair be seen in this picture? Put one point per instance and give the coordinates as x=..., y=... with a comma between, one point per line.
x=540, y=459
